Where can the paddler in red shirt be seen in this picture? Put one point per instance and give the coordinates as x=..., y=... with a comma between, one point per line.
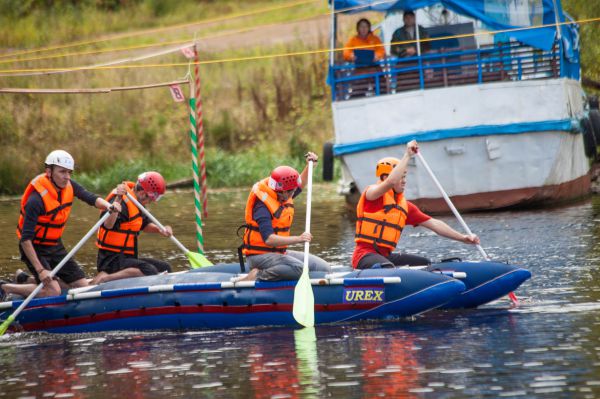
x=382, y=213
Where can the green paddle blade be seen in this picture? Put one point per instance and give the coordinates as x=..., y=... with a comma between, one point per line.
x=198, y=260
x=7, y=322
x=304, y=301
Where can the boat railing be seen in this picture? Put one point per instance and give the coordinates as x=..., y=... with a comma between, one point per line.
x=444, y=68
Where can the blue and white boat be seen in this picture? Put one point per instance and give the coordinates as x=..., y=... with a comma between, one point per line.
x=495, y=103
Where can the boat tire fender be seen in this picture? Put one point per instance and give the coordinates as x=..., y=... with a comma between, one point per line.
x=589, y=141
x=595, y=120
x=593, y=102
x=328, y=161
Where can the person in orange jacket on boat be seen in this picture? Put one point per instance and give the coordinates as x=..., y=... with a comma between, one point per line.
x=365, y=40
x=117, y=238
x=269, y=215
x=383, y=212
x=45, y=209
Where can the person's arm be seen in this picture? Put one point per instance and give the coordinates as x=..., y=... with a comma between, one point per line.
x=397, y=174
x=88, y=197
x=442, y=229
x=425, y=45
x=152, y=228
x=349, y=51
x=261, y=214
x=378, y=47
x=115, y=202
x=277, y=241
x=33, y=208
x=309, y=156
x=29, y=251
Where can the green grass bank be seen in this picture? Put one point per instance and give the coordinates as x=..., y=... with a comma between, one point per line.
x=257, y=113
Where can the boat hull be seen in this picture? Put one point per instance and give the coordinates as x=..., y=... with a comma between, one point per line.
x=208, y=300
x=485, y=281
x=518, y=150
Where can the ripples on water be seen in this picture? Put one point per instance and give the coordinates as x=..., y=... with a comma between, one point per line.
x=547, y=348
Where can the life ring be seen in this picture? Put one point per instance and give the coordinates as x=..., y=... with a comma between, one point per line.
x=328, y=161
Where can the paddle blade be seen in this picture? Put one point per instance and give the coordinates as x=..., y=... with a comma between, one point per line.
x=304, y=301
x=198, y=260
x=7, y=322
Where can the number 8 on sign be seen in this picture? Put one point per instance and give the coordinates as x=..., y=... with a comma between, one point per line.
x=176, y=93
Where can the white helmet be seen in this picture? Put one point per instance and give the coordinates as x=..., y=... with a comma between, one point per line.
x=60, y=158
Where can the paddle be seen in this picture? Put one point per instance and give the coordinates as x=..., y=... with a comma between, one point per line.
x=511, y=295
x=12, y=317
x=304, y=299
x=196, y=259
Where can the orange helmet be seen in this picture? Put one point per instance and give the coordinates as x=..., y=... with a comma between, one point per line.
x=385, y=166
x=284, y=178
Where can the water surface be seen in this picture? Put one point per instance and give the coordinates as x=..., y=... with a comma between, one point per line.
x=547, y=348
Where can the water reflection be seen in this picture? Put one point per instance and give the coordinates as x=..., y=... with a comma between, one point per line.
x=550, y=347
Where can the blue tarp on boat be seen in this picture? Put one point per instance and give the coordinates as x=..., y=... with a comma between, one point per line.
x=494, y=14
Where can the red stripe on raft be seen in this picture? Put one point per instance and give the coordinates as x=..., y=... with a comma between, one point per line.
x=171, y=310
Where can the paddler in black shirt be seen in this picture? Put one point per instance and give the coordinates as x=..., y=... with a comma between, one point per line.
x=45, y=208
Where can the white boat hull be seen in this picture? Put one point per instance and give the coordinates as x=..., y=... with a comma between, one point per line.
x=491, y=146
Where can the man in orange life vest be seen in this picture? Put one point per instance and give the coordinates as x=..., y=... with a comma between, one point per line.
x=118, y=236
x=45, y=208
x=269, y=217
x=382, y=212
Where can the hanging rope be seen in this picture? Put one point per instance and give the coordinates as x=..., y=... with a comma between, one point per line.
x=22, y=72
x=160, y=30
x=93, y=91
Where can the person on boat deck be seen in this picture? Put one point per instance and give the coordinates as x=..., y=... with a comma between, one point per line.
x=366, y=40
x=269, y=216
x=117, y=240
x=382, y=212
x=408, y=33
x=45, y=209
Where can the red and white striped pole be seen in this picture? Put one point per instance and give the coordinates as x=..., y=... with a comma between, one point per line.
x=200, y=132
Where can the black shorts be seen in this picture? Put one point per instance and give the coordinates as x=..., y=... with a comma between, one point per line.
x=395, y=259
x=50, y=257
x=111, y=262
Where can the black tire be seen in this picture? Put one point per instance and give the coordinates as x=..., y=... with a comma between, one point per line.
x=327, y=161
x=589, y=141
x=595, y=120
x=593, y=102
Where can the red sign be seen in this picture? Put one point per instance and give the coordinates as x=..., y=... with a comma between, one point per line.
x=188, y=52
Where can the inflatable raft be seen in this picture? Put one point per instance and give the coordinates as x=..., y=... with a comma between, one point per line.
x=208, y=298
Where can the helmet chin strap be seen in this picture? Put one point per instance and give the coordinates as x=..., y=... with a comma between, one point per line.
x=52, y=177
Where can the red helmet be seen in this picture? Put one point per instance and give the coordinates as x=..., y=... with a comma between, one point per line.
x=153, y=184
x=385, y=166
x=284, y=178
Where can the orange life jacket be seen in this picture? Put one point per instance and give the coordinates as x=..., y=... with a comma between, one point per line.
x=383, y=227
x=50, y=224
x=124, y=238
x=282, y=216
